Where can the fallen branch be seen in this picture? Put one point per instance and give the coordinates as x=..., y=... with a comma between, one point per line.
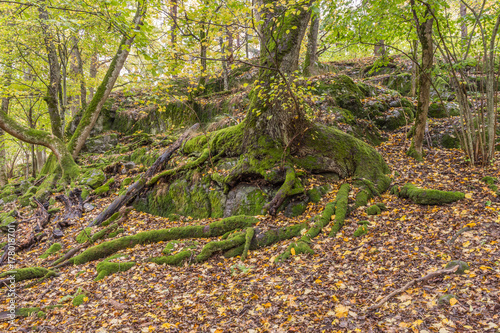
x=411, y=283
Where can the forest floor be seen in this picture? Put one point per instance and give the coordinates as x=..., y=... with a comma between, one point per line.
x=325, y=292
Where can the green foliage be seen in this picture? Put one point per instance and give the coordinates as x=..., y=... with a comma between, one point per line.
x=54, y=248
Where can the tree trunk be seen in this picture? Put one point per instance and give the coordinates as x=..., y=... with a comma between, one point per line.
x=379, y=49
x=93, y=109
x=414, y=69
x=54, y=74
x=424, y=30
x=173, y=34
x=312, y=47
x=275, y=111
x=78, y=71
x=463, y=28
x=3, y=154
x=94, y=59
x=490, y=92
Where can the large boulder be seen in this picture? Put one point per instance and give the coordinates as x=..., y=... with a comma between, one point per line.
x=345, y=92
x=101, y=143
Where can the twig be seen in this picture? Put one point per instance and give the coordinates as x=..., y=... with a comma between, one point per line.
x=411, y=283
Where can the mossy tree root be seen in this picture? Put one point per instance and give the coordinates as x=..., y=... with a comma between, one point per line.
x=284, y=191
x=250, y=232
x=341, y=208
x=214, y=229
x=429, y=197
x=190, y=165
x=302, y=245
x=23, y=274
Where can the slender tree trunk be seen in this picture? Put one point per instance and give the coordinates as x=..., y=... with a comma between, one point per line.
x=414, y=70
x=77, y=69
x=490, y=92
x=379, y=49
x=3, y=154
x=54, y=73
x=94, y=59
x=93, y=109
x=463, y=13
x=225, y=73
x=173, y=33
x=424, y=30
x=203, y=56
x=312, y=47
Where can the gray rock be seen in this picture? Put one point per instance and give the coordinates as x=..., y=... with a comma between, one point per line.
x=57, y=233
x=88, y=207
x=101, y=143
x=93, y=178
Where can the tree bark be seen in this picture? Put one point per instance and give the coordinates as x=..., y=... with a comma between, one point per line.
x=463, y=28
x=3, y=154
x=78, y=71
x=490, y=92
x=93, y=109
x=93, y=73
x=312, y=47
x=54, y=74
x=424, y=30
x=274, y=110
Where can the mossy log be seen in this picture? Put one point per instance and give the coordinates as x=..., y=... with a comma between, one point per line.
x=429, y=197
x=106, y=268
x=284, y=191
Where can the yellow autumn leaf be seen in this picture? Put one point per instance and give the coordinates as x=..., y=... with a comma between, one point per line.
x=341, y=311
x=468, y=195
x=85, y=299
x=453, y=301
x=292, y=251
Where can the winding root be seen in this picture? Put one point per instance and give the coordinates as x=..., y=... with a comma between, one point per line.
x=200, y=160
x=302, y=246
x=285, y=190
x=340, y=209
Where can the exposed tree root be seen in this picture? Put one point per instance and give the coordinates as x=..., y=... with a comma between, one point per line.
x=250, y=232
x=429, y=197
x=200, y=160
x=411, y=283
x=285, y=190
x=214, y=229
x=341, y=208
x=23, y=274
x=302, y=245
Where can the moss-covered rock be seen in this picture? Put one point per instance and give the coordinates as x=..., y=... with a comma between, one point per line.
x=101, y=143
x=54, y=248
x=438, y=110
x=373, y=210
x=445, y=299
x=462, y=266
x=104, y=188
x=399, y=82
x=93, y=178
x=7, y=221
x=345, y=92
x=395, y=118
x=361, y=231
x=429, y=197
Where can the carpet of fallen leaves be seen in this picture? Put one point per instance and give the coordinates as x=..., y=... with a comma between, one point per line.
x=325, y=292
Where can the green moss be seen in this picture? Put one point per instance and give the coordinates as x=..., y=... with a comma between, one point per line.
x=429, y=197
x=56, y=247
x=93, y=178
x=41, y=314
x=85, y=193
x=450, y=141
x=54, y=210
x=489, y=180
x=126, y=182
x=174, y=260
x=111, y=219
x=169, y=247
x=26, y=312
x=101, y=190
x=314, y=195
x=84, y=235
x=100, y=234
x=106, y=268
x=27, y=273
x=341, y=208
x=445, y=299
x=78, y=299
x=373, y=210
x=462, y=266
x=116, y=233
x=362, y=230
x=213, y=229
x=298, y=209
x=382, y=206
x=7, y=221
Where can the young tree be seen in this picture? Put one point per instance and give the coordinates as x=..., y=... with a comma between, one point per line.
x=65, y=153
